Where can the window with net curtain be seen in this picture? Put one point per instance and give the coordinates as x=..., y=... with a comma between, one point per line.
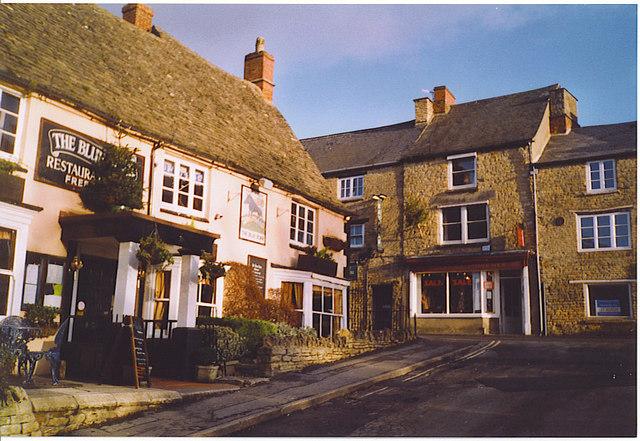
x=161, y=298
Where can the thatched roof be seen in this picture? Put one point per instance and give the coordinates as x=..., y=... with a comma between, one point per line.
x=150, y=83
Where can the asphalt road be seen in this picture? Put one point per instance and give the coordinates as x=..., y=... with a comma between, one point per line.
x=550, y=387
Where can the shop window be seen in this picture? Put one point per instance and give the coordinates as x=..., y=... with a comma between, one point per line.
x=292, y=294
x=7, y=250
x=465, y=224
x=206, y=300
x=450, y=293
x=161, y=298
x=183, y=186
x=43, y=280
x=604, y=231
x=356, y=235
x=302, y=224
x=462, y=171
x=601, y=176
x=327, y=310
x=9, y=114
x=351, y=187
x=608, y=300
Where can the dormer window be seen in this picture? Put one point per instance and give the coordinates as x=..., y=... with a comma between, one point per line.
x=462, y=171
x=351, y=188
x=601, y=176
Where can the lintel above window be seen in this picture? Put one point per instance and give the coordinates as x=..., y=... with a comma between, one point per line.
x=462, y=171
x=351, y=188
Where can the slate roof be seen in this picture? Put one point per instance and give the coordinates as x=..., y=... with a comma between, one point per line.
x=85, y=56
x=504, y=121
x=361, y=148
x=591, y=142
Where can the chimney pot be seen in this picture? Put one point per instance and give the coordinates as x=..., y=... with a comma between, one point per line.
x=138, y=15
x=258, y=69
x=443, y=99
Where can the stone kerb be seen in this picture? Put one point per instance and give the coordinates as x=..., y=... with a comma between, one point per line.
x=286, y=354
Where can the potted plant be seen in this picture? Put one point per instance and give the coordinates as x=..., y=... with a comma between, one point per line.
x=206, y=364
x=318, y=261
x=153, y=252
x=210, y=269
x=11, y=187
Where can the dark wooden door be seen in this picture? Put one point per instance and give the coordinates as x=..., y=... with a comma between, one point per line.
x=382, y=306
x=96, y=286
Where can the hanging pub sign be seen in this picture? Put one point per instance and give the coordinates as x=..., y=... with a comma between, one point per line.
x=253, y=215
x=65, y=157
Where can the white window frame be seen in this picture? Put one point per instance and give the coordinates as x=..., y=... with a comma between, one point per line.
x=328, y=314
x=587, y=303
x=463, y=221
x=450, y=160
x=193, y=167
x=478, y=277
x=601, y=179
x=612, y=227
x=213, y=305
x=14, y=157
x=351, y=180
x=351, y=244
x=314, y=224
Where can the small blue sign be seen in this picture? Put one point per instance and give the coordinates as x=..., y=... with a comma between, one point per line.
x=608, y=308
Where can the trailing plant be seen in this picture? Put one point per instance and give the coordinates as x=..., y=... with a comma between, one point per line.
x=323, y=254
x=415, y=212
x=9, y=167
x=286, y=331
x=116, y=184
x=153, y=251
x=210, y=269
x=42, y=317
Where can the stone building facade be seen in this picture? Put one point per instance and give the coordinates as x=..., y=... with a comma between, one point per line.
x=448, y=209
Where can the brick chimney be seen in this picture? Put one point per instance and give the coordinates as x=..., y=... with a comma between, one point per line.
x=258, y=69
x=138, y=15
x=443, y=99
x=424, y=111
x=563, y=115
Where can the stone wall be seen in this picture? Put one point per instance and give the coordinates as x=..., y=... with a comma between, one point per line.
x=280, y=355
x=70, y=409
x=563, y=192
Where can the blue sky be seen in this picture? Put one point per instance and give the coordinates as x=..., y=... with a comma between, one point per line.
x=346, y=67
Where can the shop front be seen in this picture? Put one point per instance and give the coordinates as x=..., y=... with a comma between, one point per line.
x=471, y=294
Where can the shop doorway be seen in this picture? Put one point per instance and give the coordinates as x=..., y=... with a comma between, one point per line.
x=511, y=302
x=96, y=287
x=382, y=306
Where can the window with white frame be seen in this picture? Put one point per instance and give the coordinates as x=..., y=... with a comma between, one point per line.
x=450, y=293
x=351, y=187
x=302, y=224
x=607, y=231
x=462, y=171
x=608, y=300
x=465, y=224
x=161, y=299
x=356, y=235
x=601, y=176
x=9, y=113
x=327, y=310
x=206, y=299
x=7, y=253
x=183, y=186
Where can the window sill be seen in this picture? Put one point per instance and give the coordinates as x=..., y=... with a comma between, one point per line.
x=187, y=216
x=597, y=192
x=299, y=247
x=463, y=189
x=603, y=250
x=352, y=199
x=603, y=319
x=465, y=244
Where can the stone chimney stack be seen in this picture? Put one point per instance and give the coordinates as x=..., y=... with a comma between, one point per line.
x=258, y=69
x=563, y=115
x=443, y=99
x=424, y=111
x=138, y=15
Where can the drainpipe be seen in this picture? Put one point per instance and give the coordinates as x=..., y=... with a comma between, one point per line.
x=542, y=305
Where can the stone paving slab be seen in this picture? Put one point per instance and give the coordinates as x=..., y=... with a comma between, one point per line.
x=286, y=391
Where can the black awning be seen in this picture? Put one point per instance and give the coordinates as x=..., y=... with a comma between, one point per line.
x=131, y=226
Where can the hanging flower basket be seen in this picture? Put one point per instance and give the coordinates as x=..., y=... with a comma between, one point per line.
x=153, y=252
x=210, y=269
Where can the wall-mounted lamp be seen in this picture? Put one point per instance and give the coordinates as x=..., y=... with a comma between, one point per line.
x=217, y=216
x=379, y=197
x=76, y=264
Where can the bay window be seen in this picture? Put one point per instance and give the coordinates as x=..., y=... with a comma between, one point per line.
x=302, y=224
x=607, y=231
x=183, y=186
x=465, y=224
x=327, y=310
x=292, y=294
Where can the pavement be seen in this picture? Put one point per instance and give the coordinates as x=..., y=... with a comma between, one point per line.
x=287, y=393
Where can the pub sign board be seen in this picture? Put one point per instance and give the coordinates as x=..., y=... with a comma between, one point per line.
x=259, y=268
x=66, y=158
